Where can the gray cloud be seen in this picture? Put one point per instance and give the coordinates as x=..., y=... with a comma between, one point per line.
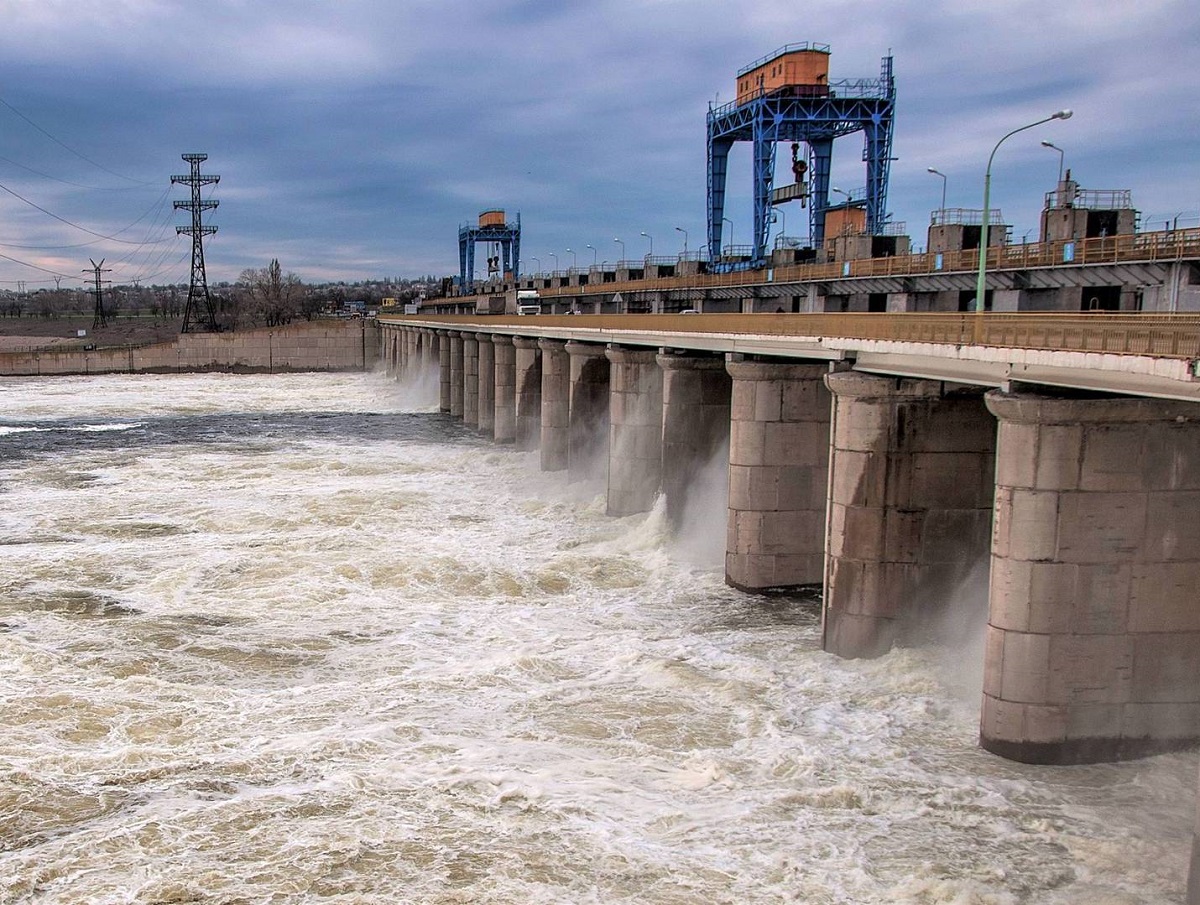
x=353, y=138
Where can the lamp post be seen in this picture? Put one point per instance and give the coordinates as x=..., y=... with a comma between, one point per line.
x=681, y=229
x=553, y=255
x=1054, y=147
x=594, y=255
x=987, y=199
x=539, y=262
x=942, y=209
x=781, y=215
x=622, y=244
x=574, y=259
x=651, y=238
x=841, y=192
x=728, y=244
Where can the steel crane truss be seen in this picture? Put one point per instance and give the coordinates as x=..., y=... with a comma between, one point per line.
x=509, y=238
x=788, y=115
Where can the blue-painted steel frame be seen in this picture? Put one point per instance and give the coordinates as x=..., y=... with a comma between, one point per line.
x=866, y=105
x=509, y=237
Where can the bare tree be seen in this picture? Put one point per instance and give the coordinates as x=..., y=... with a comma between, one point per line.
x=268, y=296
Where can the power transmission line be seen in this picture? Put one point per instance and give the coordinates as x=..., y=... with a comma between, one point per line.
x=79, y=185
x=54, y=273
x=69, y=148
x=90, y=232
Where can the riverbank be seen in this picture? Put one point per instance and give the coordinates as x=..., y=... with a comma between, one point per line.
x=19, y=333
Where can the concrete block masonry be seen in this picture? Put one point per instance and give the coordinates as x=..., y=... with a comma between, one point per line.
x=351, y=345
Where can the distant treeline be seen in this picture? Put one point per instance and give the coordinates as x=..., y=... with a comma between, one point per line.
x=263, y=297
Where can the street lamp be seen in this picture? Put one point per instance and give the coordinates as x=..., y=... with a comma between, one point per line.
x=943, y=175
x=841, y=192
x=594, y=255
x=987, y=199
x=553, y=255
x=781, y=214
x=651, y=238
x=539, y=262
x=1054, y=147
x=622, y=244
x=680, y=229
x=728, y=244
x=574, y=259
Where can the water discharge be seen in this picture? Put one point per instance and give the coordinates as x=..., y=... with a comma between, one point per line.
x=298, y=638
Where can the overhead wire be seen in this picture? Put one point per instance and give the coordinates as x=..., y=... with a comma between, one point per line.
x=80, y=185
x=72, y=150
x=90, y=232
x=27, y=264
x=154, y=234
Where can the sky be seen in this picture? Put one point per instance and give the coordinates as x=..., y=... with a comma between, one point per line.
x=354, y=137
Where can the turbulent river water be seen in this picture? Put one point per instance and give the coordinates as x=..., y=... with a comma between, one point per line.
x=302, y=639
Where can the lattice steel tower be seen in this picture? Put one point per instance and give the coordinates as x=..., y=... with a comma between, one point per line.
x=199, y=316
x=787, y=97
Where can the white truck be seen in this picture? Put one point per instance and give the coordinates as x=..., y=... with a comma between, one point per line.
x=528, y=302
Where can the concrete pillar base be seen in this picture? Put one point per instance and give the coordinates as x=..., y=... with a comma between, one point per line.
x=635, y=433
x=910, y=512
x=697, y=392
x=556, y=404
x=470, y=344
x=778, y=472
x=528, y=374
x=487, y=384
x=505, y=378
x=1193, y=886
x=456, y=373
x=1093, y=644
x=587, y=439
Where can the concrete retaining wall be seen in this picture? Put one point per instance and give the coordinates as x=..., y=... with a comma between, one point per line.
x=351, y=345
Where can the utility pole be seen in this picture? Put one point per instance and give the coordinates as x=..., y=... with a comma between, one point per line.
x=199, y=316
x=100, y=320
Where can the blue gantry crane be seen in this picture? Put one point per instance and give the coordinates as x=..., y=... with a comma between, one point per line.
x=504, y=238
x=787, y=96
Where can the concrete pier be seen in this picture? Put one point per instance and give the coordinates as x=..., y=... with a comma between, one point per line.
x=778, y=471
x=697, y=394
x=432, y=340
x=910, y=512
x=487, y=384
x=635, y=430
x=505, y=378
x=528, y=379
x=1193, y=885
x=412, y=357
x=556, y=404
x=456, y=374
x=1093, y=645
x=587, y=439
x=444, y=394
x=471, y=379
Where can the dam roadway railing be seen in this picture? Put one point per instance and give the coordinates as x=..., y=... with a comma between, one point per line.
x=1157, y=335
x=1148, y=247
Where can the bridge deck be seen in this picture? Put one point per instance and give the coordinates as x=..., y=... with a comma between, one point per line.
x=1139, y=354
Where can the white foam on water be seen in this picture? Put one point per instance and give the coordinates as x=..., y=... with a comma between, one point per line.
x=394, y=670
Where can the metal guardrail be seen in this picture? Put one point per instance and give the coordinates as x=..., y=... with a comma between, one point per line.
x=965, y=216
x=1142, y=247
x=1091, y=199
x=1160, y=335
x=786, y=48
x=1171, y=245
